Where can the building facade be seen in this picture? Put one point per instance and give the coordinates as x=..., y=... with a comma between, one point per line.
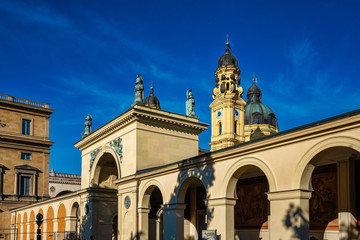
x=63, y=183
x=143, y=177
x=24, y=154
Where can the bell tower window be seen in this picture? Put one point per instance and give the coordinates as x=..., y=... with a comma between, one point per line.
x=256, y=118
x=235, y=128
x=220, y=128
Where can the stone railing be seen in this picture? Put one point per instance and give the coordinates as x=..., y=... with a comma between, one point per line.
x=24, y=101
x=66, y=175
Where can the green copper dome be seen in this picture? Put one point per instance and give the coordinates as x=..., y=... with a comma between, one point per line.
x=255, y=111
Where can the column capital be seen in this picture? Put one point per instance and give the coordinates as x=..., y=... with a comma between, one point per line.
x=220, y=201
x=143, y=210
x=173, y=207
x=69, y=218
x=289, y=194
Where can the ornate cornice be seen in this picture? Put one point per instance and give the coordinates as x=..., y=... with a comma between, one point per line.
x=146, y=115
x=341, y=123
x=23, y=141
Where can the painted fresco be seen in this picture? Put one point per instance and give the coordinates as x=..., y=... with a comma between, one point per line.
x=323, y=203
x=251, y=209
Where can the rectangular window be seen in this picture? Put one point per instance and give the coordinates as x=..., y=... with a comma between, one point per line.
x=26, y=156
x=26, y=125
x=25, y=185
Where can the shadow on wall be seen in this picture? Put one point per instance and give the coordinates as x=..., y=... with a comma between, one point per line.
x=353, y=232
x=204, y=172
x=294, y=216
x=136, y=236
x=92, y=216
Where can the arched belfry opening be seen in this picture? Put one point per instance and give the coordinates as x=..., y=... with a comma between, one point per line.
x=106, y=171
x=249, y=185
x=334, y=206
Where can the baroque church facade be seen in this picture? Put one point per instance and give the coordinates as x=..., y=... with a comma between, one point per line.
x=143, y=177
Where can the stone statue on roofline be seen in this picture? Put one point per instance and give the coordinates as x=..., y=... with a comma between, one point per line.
x=139, y=91
x=87, y=124
x=190, y=104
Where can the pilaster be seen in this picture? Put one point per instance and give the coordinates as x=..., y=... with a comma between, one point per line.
x=173, y=217
x=289, y=214
x=144, y=222
x=220, y=215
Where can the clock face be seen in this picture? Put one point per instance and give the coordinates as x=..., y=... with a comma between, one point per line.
x=236, y=113
x=219, y=113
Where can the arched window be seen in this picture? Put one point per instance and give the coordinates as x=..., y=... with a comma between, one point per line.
x=220, y=128
x=272, y=119
x=256, y=118
x=235, y=127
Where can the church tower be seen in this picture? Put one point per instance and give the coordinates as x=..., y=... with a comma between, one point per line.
x=227, y=109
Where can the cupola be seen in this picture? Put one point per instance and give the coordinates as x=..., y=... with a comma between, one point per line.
x=227, y=59
x=151, y=100
x=255, y=111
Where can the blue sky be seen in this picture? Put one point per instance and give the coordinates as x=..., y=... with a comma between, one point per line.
x=83, y=56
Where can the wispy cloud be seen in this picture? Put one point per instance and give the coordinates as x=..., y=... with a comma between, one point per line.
x=304, y=80
x=30, y=12
x=93, y=92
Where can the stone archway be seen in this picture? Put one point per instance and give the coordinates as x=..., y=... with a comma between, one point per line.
x=250, y=213
x=192, y=195
x=334, y=207
x=24, y=222
x=49, y=224
x=61, y=214
x=75, y=220
x=103, y=204
x=32, y=225
x=105, y=171
x=150, y=212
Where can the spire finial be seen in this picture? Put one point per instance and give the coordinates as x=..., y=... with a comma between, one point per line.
x=254, y=79
x=151, y=88
x=227, y=41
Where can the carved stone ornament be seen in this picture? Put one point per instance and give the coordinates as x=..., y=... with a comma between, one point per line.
x=117, y=146
x=127, y=202
x=93, y=155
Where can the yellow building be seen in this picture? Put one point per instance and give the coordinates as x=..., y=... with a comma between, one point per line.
x=24, y=155
x=142, y=175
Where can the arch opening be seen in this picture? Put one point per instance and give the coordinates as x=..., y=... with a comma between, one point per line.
x=192, y=194
x=155, y=219
x=115, y=228
x=75, y=222
x=102, y=182
x=49, y=224
x=249, y=185
x=333, y=176
x=152, y=218
x=61, y=214
x=106, y=172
